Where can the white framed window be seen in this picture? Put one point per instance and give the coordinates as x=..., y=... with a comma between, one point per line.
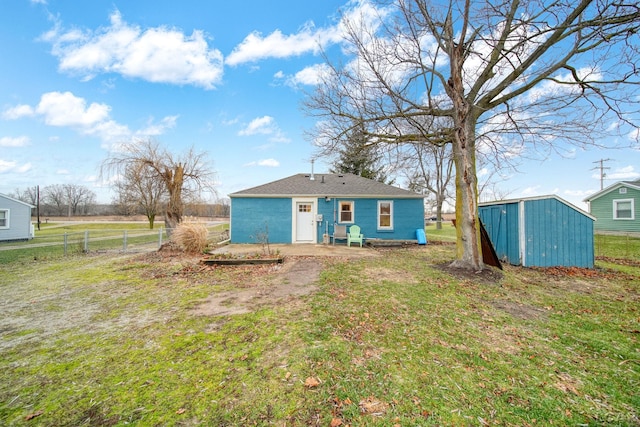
x=622, y=190
x=623, y=209
x=346, y=212
x=4, y=218
x=385, y=215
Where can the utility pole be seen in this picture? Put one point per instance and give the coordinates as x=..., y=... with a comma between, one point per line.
x=602, y=169
x=38, y=204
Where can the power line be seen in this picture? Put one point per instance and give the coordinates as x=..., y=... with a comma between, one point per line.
x=602, y=169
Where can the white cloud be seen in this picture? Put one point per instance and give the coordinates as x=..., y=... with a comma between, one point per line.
x=62, y=172
x=271, y=163
x=624, y=173
x=531, y=191
x=159, y=128
x=308, y=39
x=311, y=75
x=110, y=131
x=159, y=55
x=482, y=172
x=64, y=109
x=21, y=141
x=6, y=166
x=17, y=112
x=255, y=47
x=578, y=193
x=13, y=167
x=264, y=125
x=23, y=168
x=261, y=125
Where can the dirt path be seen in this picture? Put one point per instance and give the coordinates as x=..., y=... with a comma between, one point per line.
x=295, y=278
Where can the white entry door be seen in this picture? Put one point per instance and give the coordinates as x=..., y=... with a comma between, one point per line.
x=305, y=222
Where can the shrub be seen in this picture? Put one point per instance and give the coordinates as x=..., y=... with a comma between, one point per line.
x=191, y=237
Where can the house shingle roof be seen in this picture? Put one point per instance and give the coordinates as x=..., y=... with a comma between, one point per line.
x=326, y=185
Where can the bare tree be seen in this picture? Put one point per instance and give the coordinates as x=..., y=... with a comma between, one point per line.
x=430, y=171
x=55, y=198
x=78, y=198
x=500, y=75
x=139, y=187
x=182, y=175
x=28, y=195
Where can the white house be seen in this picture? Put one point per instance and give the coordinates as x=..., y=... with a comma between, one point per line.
x=15, y=219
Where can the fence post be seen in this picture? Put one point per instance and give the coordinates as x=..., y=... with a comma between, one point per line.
x=124, y=241
x=86, y=242
x=65, y=243
x=160, y=239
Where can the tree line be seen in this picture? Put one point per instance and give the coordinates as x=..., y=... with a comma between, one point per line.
x=66, y=200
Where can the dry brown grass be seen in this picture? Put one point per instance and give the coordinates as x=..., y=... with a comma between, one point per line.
x=191, y=237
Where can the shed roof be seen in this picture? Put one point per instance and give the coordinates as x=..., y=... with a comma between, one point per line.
x=632, y=184
x=549, y=196
x=16, y=200
x=326, y=185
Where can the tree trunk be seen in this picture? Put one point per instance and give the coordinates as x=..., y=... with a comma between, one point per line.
x=151, y=218
x=469, y=252
x=174, y=181
x=439, y=203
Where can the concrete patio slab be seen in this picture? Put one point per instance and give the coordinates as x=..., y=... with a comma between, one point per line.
x=300, y=250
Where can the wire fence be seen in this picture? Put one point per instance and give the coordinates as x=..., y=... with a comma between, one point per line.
x=102, y=240
x=95, y=240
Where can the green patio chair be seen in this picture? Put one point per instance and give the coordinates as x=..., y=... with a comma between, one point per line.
x=354, y=235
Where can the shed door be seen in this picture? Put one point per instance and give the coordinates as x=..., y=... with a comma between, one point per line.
x=495, y=225
x=305, y=222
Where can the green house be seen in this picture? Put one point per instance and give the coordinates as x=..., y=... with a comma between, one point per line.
x=617, y=207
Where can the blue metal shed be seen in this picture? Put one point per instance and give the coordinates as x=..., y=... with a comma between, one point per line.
x=544, y=231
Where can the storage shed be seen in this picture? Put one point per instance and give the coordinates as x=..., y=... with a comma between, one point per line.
x=544, y=231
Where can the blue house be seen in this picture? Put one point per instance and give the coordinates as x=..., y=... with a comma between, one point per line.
x=543, y=231
x=305, y=208
x=15, y=219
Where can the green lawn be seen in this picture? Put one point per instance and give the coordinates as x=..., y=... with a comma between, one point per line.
x=55, y=240
x=392, y=340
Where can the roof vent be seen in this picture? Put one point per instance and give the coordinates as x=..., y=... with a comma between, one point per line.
x=312, y=178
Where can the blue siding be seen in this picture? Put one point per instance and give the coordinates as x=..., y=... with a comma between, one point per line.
x=557, y=235
x=501, y=223
x=251, y=216
x=554, y=233
x=408, y=215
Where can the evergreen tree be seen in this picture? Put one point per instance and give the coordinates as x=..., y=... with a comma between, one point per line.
x=358, y=157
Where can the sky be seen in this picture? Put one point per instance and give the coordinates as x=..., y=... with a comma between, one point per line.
x=80, y=78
